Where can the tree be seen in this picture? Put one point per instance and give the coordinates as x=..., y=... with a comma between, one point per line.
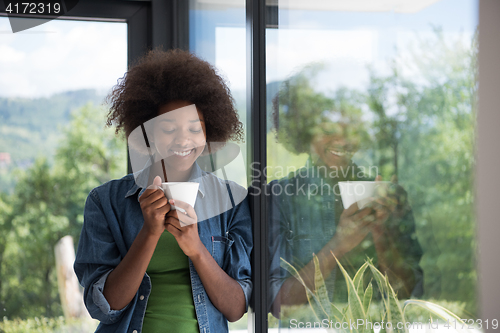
x=46, y=205
x=424, y=122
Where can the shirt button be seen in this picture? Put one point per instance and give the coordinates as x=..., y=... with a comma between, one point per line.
x=141, y=298
x=134, y=331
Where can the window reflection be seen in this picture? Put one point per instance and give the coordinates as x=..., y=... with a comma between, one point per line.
x=307, y=204
x=383, y=104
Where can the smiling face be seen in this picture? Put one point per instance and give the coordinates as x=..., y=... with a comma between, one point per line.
x=333, y=151
x=336, y=143
x=179, y=135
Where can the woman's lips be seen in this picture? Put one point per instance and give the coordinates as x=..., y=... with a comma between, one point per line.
x=337, y=153
x=182, y=153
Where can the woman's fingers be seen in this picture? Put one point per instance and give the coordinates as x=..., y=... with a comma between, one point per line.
x=185, y=208
x=363, y=213
x=155, y=200
x=384, y=202
x=170, y=227
x=179, y=219
x=151, y=195
x=152, y=188
x=352, y=209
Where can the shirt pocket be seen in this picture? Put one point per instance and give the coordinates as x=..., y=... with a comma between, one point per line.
x=220, y=245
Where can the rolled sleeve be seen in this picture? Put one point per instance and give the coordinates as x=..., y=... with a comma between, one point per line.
x=96, y=257
x=237, y=263
x=101, y=302
x=247, y=286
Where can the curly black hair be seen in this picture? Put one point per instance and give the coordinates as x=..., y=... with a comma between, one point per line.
x=164, y=76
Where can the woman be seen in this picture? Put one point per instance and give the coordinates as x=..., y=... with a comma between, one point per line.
x=145, y=267
x=307, y=213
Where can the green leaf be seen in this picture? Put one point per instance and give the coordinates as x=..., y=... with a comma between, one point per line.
x=380, y=279
x=337, y=313
x=439, y=311
x=367, y=297
x=355, y=309
x=311, y=297
x=319, y=285
x=395, y=313
x=358, y=280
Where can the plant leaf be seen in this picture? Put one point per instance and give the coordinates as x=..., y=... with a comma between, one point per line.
x=439, y=311
x=395, y=312
x=320, y=288
x=355, y=309
x=380, y=279
x=311, y=298
x=337, y=313
x=358, y=279
x=367, y=297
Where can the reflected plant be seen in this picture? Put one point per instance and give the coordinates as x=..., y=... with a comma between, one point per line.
x=357, y=312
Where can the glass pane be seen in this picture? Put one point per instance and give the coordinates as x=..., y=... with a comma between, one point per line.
x=371, y=116
x=217, y=35
x=53, y=151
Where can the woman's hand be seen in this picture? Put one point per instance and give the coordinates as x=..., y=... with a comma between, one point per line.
x=388, y=201
x=391, y=205
x=224, y=292
x=123, y=282
x=154, y=206
x=352, y=229
x=184, y=227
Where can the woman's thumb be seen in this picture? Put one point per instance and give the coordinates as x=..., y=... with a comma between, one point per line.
x=157, y=181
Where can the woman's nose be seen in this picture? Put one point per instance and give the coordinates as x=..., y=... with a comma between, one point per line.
x=182, y=138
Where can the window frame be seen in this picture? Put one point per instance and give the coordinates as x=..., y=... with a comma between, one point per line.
x=165, y=24
x=487, y=161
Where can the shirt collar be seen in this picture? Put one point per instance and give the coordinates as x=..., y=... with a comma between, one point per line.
x=197, y=176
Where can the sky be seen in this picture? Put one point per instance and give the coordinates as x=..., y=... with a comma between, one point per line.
x=67, y=55
x=346, y=43
x=61, y=55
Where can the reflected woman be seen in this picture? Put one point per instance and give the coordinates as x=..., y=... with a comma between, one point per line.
x=307, y=215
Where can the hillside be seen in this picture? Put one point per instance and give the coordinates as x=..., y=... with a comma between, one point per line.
x=30, y=128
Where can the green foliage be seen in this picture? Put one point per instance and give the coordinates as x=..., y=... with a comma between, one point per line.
x=359, y=308
x=47, y=325
x=280, y=161
x=438, y=172
x=300, y=114
x=421, y=121
x=28, y=127
x=46, y=205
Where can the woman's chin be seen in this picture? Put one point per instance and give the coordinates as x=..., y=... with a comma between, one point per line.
x=180, y=163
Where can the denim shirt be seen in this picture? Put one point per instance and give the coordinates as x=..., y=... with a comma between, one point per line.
x=304, y=210
x=112, y=220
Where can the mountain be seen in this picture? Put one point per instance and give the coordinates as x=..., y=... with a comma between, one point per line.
x=31, y=127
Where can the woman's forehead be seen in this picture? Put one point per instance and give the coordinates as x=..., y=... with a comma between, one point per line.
x=187, y=113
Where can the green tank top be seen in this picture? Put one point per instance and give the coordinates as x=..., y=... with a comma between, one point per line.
x=170, y=305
